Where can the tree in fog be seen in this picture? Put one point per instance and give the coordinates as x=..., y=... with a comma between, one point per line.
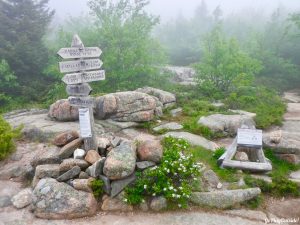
x=130, y=54
x=224, y=66
x=23, y=25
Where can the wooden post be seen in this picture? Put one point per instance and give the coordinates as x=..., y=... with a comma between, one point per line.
x=89, y=142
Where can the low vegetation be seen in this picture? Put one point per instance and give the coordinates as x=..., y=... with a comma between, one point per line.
x=7, y=137
x=97, y=187
x=172, y=178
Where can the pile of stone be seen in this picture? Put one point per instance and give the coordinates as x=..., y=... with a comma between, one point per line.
x=143, y=104
x=62, y=182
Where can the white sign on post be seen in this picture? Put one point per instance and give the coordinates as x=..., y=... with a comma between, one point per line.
x=77, y=78
x=84, y=122
x=249, y=137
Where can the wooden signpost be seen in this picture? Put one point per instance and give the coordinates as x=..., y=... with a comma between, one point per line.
x=86, y=69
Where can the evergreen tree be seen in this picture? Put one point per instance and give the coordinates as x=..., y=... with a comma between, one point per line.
x=23, y=25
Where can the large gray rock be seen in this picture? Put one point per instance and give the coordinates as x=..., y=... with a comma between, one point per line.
x=182, y=75
x=226, y=123
x=96, y=169
x=115, y=204
x=120, y=161
x=55, y=200
x=168, y=126
x=22, y=199
x=48, y=156
x=193, y=139
x=210, y=180
x=224, y=199
x=130, y=106
x=61, y=110
x=5, y=201
x=166, y=98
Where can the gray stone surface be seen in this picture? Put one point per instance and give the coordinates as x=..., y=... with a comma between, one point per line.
x=107, y=186
x=210, y=180
x=48, y=170
x=130, y=106
x=193, y=139
x=176, y=112
x=61, y=110
x=49, y=155
x=115, y=142
x=96, y=169
x=241, y=156
x=115, y=204
x=248, y=214
x=118, y=185
x=144, y=164
x=5, y=201
x=166, y=98
x=224, y=199
x=168, y=126
x=295, y=175
x=83, y=184
x=182, y=75
x=55, y=200
x=17, y=172
x=226, y=123
x=72, y=173
x=158, y=203
x=292, y=97
x=22, y=199
x=120, y=161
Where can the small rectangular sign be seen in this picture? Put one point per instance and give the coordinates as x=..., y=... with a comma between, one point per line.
x=249, y=137
x=85, y=123
x=80, y=65
x=81, y=101
x=73, y=53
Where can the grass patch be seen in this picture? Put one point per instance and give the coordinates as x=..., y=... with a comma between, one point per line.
x=281, y=186
x=97, y=187
x=207, y=157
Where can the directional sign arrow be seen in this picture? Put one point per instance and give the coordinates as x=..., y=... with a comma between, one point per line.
x=73, y=53
x=74, y=66
x=84, y=77
x=85, y=102
x=78, y=89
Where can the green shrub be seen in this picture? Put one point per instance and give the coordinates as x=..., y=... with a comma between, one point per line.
x=171, y=179
x=7, y=136
x=266, y=103
x=97, y=187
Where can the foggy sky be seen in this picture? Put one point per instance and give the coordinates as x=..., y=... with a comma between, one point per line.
x=168, y=9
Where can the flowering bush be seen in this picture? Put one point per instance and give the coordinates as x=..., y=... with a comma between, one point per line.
x=171, y=179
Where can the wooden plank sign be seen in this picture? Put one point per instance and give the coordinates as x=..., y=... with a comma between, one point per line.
x=81, y=101
x=75, y=53
x=84, y=77
x=79, y=65
x=85, y=123
x=249, y=137
x=79, y=89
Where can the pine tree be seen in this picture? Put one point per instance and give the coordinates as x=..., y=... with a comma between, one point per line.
x=23, y=25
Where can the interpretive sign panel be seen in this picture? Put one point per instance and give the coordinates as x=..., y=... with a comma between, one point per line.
x=84, y=122
x=249, y=137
